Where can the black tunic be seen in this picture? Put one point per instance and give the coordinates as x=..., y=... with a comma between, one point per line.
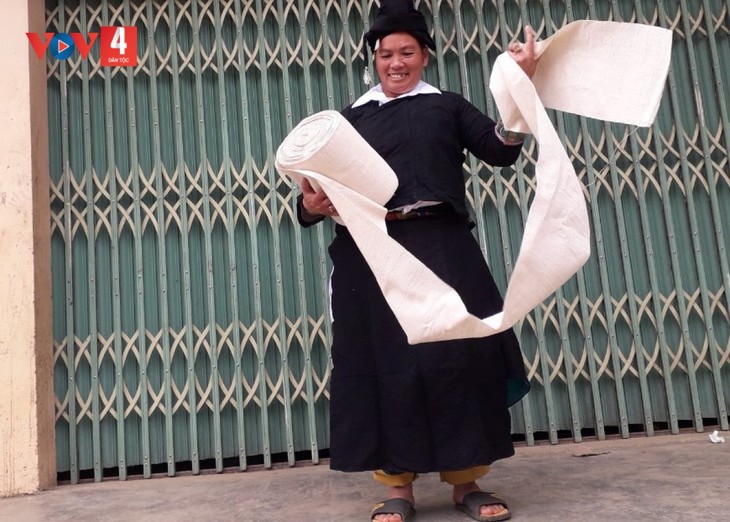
x=435, y=406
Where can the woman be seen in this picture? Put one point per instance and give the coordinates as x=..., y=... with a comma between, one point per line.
x=398, y=409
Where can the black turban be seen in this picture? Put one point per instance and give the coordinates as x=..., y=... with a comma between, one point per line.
x=399, y=16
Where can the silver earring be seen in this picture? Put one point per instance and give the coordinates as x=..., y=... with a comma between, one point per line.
x=366, y=78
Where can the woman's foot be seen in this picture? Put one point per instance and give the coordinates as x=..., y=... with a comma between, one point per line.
x=462, y=490
x=404, y=492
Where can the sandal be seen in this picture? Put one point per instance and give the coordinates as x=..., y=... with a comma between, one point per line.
x=394, y=506
x=472, y=502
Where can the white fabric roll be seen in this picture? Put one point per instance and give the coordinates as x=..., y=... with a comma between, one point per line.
x=556, y=243
x=326, y=143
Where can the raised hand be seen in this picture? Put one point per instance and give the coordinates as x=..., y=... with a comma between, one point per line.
x=524, y=53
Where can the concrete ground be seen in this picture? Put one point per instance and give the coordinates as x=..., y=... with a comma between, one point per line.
x=665, y=477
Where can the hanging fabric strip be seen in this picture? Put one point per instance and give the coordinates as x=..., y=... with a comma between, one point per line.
x=631, y=65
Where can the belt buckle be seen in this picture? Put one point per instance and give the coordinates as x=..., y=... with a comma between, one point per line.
x=397, y=215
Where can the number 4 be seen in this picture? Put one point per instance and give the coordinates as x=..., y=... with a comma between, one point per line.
x=118, y=41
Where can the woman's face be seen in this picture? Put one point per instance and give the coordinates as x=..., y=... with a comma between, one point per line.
x=399, y=60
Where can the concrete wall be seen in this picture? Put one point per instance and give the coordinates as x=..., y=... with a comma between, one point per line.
x=27, y=447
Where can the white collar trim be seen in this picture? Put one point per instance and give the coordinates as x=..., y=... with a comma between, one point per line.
x=376, y=94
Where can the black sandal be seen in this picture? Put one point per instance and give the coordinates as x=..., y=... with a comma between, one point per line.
x=395, y=506
x=472, y=502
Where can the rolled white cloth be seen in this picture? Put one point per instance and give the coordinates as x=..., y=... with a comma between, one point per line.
x=325, y=143
x=556, y=243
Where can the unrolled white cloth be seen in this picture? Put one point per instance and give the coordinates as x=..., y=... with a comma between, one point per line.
x=613, y=71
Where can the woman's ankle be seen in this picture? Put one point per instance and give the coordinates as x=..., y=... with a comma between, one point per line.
x=404, y=492
x=461, y=490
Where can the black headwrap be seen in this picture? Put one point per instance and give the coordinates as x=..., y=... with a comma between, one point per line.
x=396, y=16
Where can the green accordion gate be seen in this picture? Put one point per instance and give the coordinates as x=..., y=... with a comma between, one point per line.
x=190, y=311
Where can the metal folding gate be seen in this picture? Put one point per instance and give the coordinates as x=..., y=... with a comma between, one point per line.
x=190, y=311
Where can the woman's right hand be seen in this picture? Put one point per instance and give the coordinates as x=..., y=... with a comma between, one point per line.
x=316, y=203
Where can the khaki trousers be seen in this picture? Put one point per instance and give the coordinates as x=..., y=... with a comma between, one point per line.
x=455, y=478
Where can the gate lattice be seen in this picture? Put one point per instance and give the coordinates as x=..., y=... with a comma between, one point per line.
x=190, y=316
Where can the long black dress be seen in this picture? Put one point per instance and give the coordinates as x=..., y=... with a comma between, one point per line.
x=436, y=406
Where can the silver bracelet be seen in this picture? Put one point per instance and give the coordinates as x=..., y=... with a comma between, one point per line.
x=509, y=137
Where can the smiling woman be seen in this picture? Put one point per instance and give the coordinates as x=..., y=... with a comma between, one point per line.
x=398, y=409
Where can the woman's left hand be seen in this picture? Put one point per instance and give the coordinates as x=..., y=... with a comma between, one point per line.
x=524, y=53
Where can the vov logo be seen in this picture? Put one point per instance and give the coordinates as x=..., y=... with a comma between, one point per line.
x=118, y=45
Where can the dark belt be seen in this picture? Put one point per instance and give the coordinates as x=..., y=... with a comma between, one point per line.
x=396, y=215
x=435, y=210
